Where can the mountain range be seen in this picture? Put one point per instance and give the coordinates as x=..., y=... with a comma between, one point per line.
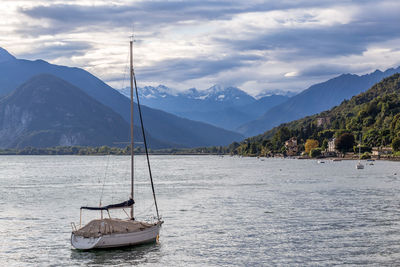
x=233, y=109
x=315, y=99
x=374, y=115
x=226, y=107
x=195, y=117
x=164, y=127
x=47, y=111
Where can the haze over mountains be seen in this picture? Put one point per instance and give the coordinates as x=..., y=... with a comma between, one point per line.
x=226, y=107
x=164, y=127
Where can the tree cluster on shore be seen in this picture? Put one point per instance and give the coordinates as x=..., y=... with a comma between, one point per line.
x=106, y=150
x=373, y=115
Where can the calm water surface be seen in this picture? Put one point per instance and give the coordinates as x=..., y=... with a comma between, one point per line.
x=217, y=211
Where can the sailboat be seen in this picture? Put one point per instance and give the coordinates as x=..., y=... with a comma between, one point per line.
x=359, y=165
x=113, y=232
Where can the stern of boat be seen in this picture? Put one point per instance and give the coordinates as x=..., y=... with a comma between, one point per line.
x=84, y=243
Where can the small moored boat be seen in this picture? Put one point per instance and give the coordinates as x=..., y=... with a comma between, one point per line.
x=113, y=232
x=359, y=165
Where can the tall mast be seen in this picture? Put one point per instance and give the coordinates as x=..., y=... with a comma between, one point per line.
x=144, y=136
x=132, y=143
x=133, y=82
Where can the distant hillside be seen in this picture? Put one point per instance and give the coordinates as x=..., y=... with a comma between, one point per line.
x=223, y=107
x=263, y=104
x=315, y=99
x=374, y=113
x=163, y=126
x=47, y=111
x=5, y=56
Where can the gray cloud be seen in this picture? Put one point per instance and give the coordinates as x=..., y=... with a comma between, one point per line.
x=154, y=13
x=321, y=42
x=60, y=49
x=144, y=14
x=188, y=69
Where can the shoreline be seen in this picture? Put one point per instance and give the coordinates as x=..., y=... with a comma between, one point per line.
x=340, y=159
x=207, y=154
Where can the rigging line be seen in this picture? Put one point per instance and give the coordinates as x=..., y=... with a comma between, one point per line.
x=105, y=177
x=145, y=143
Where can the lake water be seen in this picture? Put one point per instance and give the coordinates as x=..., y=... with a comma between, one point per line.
x=217, y=211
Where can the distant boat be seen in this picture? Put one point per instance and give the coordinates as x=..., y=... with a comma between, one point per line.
x=336, y=160
x=359, y=165
x=321, y=161
x=113, y=232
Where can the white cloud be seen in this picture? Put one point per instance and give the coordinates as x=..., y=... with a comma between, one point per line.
x=292, y=74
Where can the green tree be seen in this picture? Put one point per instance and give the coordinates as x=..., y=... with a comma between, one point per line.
x=103, y=150
x=280, y=137
x=326, y=134
x=344, y=142
x=232, y=147
x=396, y=144
x=365, y=155
x=253, y=149
x=372, y=138
x=315, y=152
x=324, y=145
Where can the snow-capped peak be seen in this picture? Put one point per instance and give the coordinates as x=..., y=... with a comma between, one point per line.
x=156, y=92
x=217, y=93
x=216, y=88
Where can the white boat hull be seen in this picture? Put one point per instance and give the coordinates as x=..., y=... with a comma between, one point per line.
x=147, y=235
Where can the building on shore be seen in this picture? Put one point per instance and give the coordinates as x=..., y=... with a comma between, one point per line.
x=332, y=146
x=379, y=151
x=291, y=147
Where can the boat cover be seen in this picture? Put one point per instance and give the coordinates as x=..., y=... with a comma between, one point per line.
x=100, y=227
x=124, y=204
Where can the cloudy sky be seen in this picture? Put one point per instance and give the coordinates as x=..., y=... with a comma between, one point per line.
x=256, y=45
